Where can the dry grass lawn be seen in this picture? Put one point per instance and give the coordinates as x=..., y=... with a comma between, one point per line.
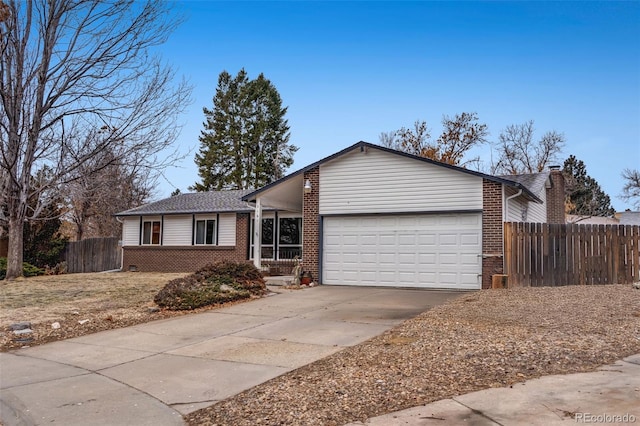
x=107, y=300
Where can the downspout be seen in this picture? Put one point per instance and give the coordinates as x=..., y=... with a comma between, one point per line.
x=506, y=204
x=121, y=244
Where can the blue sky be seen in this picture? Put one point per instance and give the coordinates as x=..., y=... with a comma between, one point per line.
x=350, y=70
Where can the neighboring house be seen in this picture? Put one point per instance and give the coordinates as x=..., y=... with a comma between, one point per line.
x=367, y=215
x=628, y=218
x=591, y=220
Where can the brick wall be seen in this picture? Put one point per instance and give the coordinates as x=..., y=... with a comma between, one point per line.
x=188, y=258
x=492, y=229
x=311, y=224
x=555, y=198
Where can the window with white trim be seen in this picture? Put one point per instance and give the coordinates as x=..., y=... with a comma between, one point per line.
x=205, y=232
x=151, y=230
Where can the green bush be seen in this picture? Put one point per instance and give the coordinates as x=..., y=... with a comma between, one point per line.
x=28, y=270
x=215, y=283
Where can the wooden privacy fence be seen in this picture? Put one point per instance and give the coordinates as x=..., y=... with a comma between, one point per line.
x=93, y=255
x=542, y=254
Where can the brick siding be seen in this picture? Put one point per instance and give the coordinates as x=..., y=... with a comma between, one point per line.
x=187, y=258
x=555, y=198
x=311, y=224
x=492, y=231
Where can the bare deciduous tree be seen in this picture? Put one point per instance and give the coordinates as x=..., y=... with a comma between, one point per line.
x=412, y=141
x=459, y=134
x=72, y=68
x=96, y=194
x=518, y=152
x=631, y=188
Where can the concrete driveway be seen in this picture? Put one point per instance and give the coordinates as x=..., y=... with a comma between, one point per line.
x=152, y=373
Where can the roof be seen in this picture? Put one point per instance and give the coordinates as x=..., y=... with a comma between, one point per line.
x=590, y=220
x=195, y=202
x=366, y=145
x=629, y=218
x=535, y=182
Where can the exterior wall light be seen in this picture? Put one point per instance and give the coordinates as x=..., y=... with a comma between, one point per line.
x=307, y=186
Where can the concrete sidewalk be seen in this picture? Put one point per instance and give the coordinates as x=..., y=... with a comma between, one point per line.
x=152, y=373
x=610, y=395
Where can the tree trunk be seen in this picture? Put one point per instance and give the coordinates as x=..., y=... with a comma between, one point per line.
x=15, y=254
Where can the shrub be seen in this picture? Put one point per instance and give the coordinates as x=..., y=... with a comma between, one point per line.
x=28, y=270
x=215, y=283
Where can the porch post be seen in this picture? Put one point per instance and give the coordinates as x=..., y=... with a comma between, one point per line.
x=257, y=234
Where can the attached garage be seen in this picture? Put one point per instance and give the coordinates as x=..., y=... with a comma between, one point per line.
x=372, y=216
x=422, y=250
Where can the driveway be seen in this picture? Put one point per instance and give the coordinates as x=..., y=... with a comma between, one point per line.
x=152, y=373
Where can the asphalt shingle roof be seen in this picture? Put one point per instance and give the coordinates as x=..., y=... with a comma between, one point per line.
x=534, y=182
x=195, y=202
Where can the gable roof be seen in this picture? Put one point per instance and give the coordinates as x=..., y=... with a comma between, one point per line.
x=195, y=202
x=534, y=181
x=366, y=145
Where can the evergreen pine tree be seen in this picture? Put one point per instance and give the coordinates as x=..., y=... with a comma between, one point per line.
x=245, y=141
x=584, y=196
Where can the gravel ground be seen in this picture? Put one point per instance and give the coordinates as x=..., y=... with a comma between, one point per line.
x=490, y=338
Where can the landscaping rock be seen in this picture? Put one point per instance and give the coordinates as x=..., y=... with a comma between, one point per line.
x=636, y=285
x=153, y=309
x=22, y=325
x=84, y=321
x=55, y=325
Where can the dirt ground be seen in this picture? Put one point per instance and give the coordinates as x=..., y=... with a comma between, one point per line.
x=106, y=300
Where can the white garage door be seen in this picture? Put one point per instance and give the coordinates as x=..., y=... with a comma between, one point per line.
x=430, y=251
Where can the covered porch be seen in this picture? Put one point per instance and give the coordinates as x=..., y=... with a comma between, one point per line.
x=277, y=223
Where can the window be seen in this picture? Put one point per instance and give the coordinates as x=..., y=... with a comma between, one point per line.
x=151, y=232
x=267, y=238
x=289, y=237
x=281, y=239
x=205, y=232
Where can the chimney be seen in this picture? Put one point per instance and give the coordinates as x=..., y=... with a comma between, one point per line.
x=555, y=196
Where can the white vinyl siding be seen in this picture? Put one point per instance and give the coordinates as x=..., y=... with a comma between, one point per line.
x=177, y=231
x=131, y=231
x=227, y=229
x=516, y=206
x=538, y=212
x=379, y=182
x=520, y=209
x=427, y=251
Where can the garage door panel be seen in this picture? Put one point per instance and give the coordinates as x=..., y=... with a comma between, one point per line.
x=406, y=239
x=437, y=251
x=448, y=239
x=427, y=239
x=469, y=279
x=407, y=259
x=448, y=259
x=469, y=239
x=470, y=259
x=448, y=278
x=369, y=258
